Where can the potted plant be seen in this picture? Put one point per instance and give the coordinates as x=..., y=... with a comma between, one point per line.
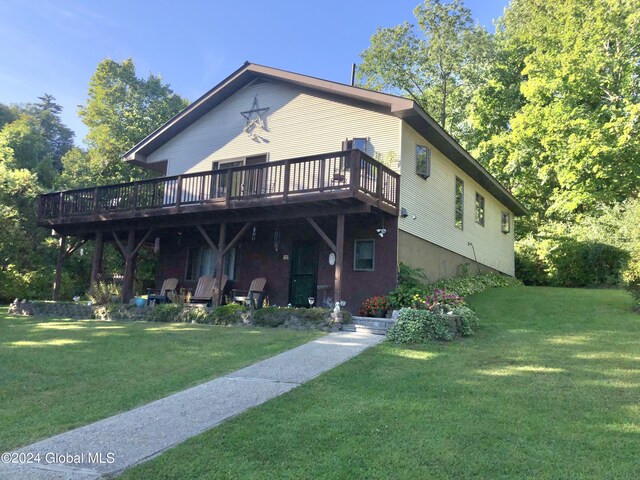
x=375, y=307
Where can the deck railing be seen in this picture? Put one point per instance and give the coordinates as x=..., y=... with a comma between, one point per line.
x=346, y=170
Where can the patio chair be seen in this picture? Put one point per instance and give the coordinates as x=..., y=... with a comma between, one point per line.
x=254, y=297
x=206, y=289
x=169, y=285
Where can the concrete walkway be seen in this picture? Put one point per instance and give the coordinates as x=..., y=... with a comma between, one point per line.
x=111, y=445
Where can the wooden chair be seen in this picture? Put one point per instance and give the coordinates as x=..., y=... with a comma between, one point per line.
x=254, y=297
x=206, y=289
x=169, y=285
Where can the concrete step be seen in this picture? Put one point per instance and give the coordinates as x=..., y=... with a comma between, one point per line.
x=376, y=326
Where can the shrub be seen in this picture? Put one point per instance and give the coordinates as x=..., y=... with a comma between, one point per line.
x=566, y=262
x=373, y=304
x=118, y=312
x=419, y=326
x=404, y=296
x=190, y=314
x=468, y=323
x=316, y=318
x=103, y=293
x=166, y=313
x=230, y=314
x=270, y=316
x=471, y=284
x=441, y=301
x=411, y=276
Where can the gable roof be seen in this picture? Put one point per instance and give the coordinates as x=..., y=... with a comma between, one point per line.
x=403, y=108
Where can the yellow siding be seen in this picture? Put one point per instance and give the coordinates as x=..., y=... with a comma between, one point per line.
x=432, y=202
x=299, y=123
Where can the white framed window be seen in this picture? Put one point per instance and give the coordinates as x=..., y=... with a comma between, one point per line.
x=423, y=161
x=203, y=260
x=364, y=255
x=505, y=222
x=479, y=209
x=459, y=204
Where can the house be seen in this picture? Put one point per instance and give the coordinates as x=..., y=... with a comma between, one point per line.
x=320, y=187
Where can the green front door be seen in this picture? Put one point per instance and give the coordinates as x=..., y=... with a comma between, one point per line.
x=303, y=278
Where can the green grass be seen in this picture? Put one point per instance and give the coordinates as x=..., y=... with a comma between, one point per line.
x=59, y=374
x=549, y=388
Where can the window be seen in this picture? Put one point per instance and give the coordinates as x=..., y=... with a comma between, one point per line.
x=355, y=143
x=219, y=182
x=479, y=209
x=423, y=161
x=202, y=261
x=505, y=222
x=459, y=204
x=363, y=255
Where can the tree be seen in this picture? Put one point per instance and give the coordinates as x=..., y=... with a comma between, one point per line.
x=439, y=64
x=76, y=170
x=574, y=141
x=58, y=137
x=25, y=148
x=121, y=110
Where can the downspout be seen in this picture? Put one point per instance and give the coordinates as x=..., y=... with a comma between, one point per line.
x=474, y=256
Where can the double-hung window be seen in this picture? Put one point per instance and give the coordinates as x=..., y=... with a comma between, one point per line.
x=479, y=209
x=459, y=204
x=505, y=222
x=423, y=161
x=364, y=255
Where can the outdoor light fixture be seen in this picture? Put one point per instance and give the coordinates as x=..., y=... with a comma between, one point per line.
x=404, y=212
x=156, y=245
x=276, y=239
x=381, y=231
x=253, y=234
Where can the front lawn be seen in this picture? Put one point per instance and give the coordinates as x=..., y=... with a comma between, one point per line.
x=548, y=388
x=59, y=374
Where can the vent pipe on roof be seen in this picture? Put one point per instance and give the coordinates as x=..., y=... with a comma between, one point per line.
x=353, y=74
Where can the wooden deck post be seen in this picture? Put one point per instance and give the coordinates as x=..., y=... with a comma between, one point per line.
x=129, y=253
x=96, y=265
x=129, y=269
x=220, y=262
x=62, y=250
x=337, y=287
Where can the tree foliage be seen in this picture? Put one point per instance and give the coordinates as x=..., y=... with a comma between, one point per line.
x=37, y=154
x=122, y=109
x=573, y=142
x=439, y=63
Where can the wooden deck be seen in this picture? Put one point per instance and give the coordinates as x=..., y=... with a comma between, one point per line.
x=337, y=176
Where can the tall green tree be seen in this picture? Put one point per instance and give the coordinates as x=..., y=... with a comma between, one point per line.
x=574, y=141
x=121, y=110
x=36, y=136
x=58, y=137
x=439, y=63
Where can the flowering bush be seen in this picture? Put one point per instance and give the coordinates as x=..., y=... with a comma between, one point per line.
x=441, y=301
x=370, y=305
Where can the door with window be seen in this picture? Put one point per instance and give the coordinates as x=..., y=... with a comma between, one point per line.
x=303, y=277
x=219, y=182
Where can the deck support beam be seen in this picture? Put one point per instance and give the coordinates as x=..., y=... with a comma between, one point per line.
x=64, y=252
x=337, y=286
x=323, y=235
x=220, y=263
x=129, y=253
x=96, y=265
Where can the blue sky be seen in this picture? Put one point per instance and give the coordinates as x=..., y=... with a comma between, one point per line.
x=54, y=46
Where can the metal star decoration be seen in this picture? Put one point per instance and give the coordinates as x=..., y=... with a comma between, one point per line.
x=256, y=118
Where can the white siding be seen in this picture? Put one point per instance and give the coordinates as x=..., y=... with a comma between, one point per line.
x=432, y=202
x=299, y=123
